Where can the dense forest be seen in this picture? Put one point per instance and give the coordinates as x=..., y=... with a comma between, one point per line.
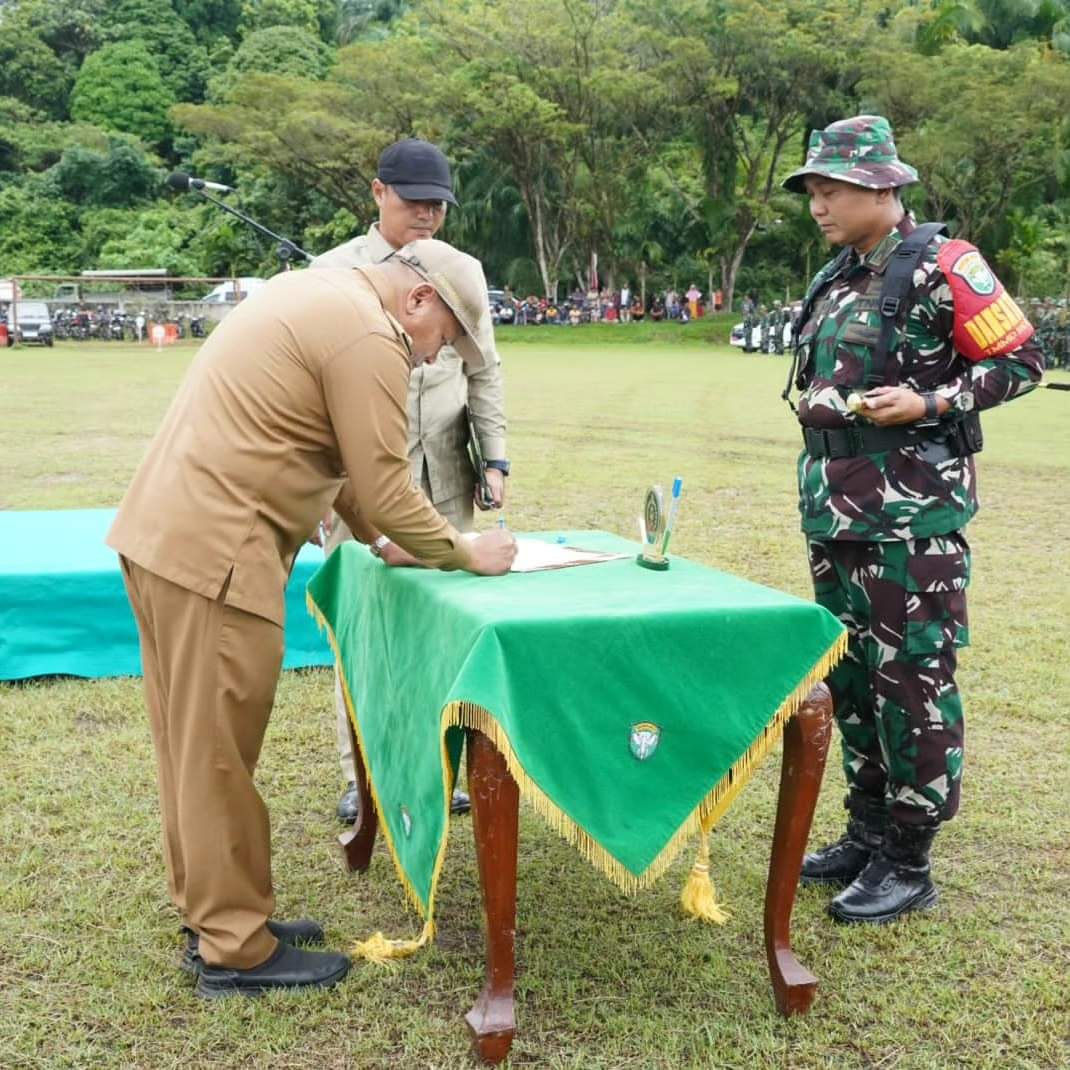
x=649, y=136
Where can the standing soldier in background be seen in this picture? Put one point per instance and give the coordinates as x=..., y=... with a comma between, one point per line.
x=886, y=486
x=1044, y=319
x=780, y=318
x=748, y=308
x=764, y=319
x=1061, y=341
x=412, y=189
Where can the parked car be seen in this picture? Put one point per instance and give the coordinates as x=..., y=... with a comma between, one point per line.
x=31, y=321
x=224, y=292
x=501, y=311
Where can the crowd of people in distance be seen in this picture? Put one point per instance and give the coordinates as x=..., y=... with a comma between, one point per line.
x=1051, y=318
x=602, y=306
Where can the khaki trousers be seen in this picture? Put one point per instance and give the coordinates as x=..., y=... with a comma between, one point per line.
x=459, y=512
x=210, y=676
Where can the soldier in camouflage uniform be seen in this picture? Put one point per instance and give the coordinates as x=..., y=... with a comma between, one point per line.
x=780, y=319
x=886, y=489
x=1044, y=319
x=748, y=308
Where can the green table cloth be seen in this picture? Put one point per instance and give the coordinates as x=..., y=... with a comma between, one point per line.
x=630, y=705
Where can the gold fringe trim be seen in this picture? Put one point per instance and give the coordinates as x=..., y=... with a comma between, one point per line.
x=701, y=820
x=697, y=898
x=382, y=951
x=378, y=948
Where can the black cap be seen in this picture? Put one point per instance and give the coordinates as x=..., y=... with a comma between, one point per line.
x=417, y=170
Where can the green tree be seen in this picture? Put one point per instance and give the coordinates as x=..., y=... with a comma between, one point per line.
x=120, y=88
x=552, y=89
x=70, y=29
x=210, y=19
x=182, y=62
x=32, y=72
x=117, y=177
x=366, y=18
x=747, y=79
x=39, y=233
x=282, y=50
x=30, y=142
x=318, y=17
x=983, y=128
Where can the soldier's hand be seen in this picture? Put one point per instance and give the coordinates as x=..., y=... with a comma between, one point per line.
x=887, y=406
x=492, y=553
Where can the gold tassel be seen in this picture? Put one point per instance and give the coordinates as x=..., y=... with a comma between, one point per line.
x=382, y=951
x=698, y=897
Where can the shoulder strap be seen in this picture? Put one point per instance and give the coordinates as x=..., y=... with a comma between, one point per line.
x=898, y=279
x=828, y=272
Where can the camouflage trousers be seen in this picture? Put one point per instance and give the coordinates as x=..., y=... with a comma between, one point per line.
x=897, y=706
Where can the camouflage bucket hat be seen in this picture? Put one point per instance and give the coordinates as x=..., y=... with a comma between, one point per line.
x=859, y=150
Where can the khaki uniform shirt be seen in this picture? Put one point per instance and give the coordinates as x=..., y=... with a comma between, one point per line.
x=296, y=402
x=438, y=393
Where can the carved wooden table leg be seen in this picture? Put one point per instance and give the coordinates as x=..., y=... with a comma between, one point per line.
x=495, y=807
x=806, y=742
x=357, y=842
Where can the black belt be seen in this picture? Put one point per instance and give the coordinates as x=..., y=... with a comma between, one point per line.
x=962, y=437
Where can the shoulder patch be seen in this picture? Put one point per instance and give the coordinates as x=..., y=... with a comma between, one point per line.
x=988, y=322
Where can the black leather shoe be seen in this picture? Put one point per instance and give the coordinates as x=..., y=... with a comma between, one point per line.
x=895, y=882
x=287, y=968
x=460, y=803
x=348, y=809
x=841, y=862
x=302, y=931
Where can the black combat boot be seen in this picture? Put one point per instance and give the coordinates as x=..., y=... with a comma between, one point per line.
x=842, y=861
x=895, y=882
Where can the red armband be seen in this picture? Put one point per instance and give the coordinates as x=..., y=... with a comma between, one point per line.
x=988, y=322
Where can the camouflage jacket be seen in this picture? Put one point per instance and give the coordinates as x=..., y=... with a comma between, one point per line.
x=916, y=491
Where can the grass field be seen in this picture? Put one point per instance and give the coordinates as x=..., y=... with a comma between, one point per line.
x=88, y=941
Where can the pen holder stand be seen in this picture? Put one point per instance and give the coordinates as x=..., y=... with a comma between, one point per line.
x=658, y=563
x=654, y=519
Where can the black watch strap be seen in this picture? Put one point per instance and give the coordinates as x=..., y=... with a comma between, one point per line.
x=501, y=466
x=931, y=409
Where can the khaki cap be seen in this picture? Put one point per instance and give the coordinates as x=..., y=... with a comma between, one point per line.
x=458, y=279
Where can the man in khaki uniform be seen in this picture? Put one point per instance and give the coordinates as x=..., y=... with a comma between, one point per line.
x=295, y=403
x=412, y=190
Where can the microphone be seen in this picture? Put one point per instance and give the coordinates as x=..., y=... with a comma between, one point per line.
x=183, y=182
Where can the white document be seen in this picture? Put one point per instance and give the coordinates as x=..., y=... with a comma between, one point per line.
x=534, y=555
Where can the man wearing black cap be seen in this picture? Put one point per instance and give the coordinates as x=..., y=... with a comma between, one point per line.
x=412, y=190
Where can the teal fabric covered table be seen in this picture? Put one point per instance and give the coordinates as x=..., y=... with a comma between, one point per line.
x=63, y=607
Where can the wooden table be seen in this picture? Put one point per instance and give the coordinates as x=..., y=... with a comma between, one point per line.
x=495, y=810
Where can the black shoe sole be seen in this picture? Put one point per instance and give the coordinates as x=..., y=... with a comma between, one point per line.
x=206, y=990
x=923, y=902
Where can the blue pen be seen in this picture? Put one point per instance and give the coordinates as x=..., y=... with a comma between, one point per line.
x=677, y=486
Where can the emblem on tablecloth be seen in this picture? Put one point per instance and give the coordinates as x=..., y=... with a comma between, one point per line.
x=644, y=740
x=406, y=820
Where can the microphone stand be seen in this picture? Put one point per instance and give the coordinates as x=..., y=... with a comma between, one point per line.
x=286, y=250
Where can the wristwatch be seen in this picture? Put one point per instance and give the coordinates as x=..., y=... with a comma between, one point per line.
x=932, y=412
x=502, y=466
x=376, y=548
